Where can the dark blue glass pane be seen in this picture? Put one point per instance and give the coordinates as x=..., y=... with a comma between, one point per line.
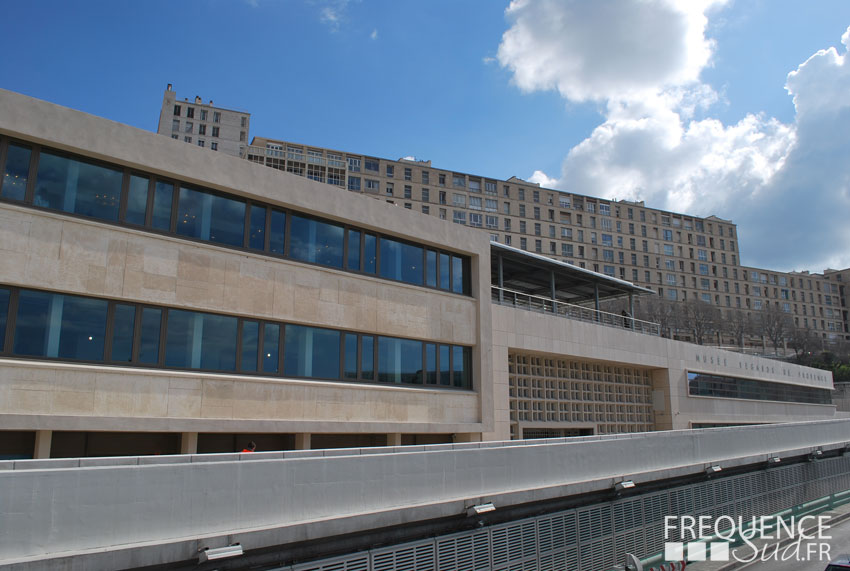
x=311, y=352
x=354, y=250
x=250, y=345
x=210, y=217
x=350, y=368
x=367, y=358
x=149, y=335
x=399, y=361
x=431, y=363
x=271, y=347
x=79, y=187
x=137, y=200
x=461, y=366
x=457, y=275
x=445, y=276
x=4, y=313
x=317, y=242
x=278, y=232
x=200, y=341
x=445, y=366
x=16, y=172
x=402, y=262
x=32, y=324
x=162, y=198
x=431, y=268
x=123, y=323
x=257, y=231
x=83, y=328
x=370, y=253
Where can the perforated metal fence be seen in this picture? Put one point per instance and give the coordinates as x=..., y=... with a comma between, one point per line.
x=597, y=537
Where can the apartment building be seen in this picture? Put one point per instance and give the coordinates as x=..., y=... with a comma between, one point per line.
x=681, y=257
x=203, y=124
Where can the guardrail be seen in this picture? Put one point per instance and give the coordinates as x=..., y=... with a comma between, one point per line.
x=503, y=296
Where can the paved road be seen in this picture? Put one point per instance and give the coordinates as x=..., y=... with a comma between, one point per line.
x=812, y=558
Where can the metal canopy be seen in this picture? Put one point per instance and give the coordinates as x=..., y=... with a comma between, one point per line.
x=541, y=276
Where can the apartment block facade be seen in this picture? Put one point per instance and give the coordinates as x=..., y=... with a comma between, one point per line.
x=681, y=257
x=203, y=125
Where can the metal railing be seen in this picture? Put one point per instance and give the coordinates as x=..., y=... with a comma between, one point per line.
x=504, y=296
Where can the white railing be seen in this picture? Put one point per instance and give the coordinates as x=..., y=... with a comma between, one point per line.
x=503, y=296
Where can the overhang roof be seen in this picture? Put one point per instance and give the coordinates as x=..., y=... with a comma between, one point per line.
x=532, y=274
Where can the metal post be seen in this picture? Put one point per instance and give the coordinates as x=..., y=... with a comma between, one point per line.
x=501, y=281
x=552, y=289
x=632, y=309
x=596, y=300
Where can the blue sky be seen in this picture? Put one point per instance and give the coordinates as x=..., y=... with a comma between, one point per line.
x=681, y=104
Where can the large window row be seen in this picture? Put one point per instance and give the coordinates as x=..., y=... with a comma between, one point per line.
x=50, y=179
x=703, y=385
x=48, y=325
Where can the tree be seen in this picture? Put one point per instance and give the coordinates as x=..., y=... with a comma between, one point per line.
x=737, y=324
x=661, y=311
x=701, y=318
x=775, y=324
x=802, y=341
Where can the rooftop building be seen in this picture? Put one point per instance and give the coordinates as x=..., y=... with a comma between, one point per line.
x=202, y=124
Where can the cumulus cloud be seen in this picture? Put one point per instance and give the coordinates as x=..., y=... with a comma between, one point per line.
x=787, y=186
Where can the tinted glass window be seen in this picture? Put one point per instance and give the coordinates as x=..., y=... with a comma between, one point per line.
x=370, y=253
x=53, y=325
x=137, y=200
x=16, y=172
x=457, y=274
x=149, y=335
x=162, y=198
x=367, y=358
x=431, y=363
x=257, y=231
x=350, y=367
x=445, y=264
x=431, y=268
x=402, y=262
x=123, y=323
x=200, y=341
x=353, y=250
x=317, y=242
x=445, y=366
x=311, y=352
x=461, y=363
x=250, y=345
x=210, y=217
x=399, y=361
x=271, y=347
x=278, y=232
x=79, y=187
x=4, y=312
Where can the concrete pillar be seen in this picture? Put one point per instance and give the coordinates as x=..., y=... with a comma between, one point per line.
x=552, y=290
x=189, y=443
x=394, y=439
x=501, y=280
x=302, y=441
x=43, y=439
x=466, y=437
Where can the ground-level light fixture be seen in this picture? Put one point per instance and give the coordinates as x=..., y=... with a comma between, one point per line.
x=216, y=553
x=480, y=509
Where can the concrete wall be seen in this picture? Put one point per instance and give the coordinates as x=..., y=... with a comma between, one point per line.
x=68, y=254
x=669, y=361
x=65, y=507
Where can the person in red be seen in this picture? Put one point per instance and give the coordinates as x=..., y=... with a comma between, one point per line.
x=250, y=448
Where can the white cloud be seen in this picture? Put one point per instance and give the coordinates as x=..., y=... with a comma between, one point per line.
x=332, y=13
x=786, y=186
x=540, y=177
x=374, y=34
